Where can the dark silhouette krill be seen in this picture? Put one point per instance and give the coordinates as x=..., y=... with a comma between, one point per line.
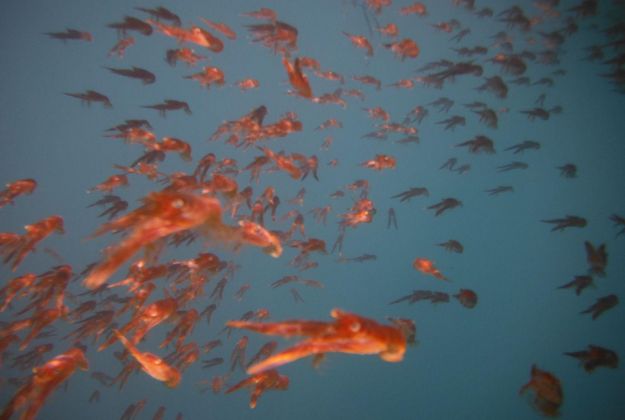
x=91, y=96
x=161, y=13
x=170, y=105
x=452, y=122
x=512, y=166
x=488, y=117
x=452, y=246
x=567, y=222
x=579, y=283
x=444, y=205
x=479, y=144
x=568, y=170
x=595, y=357
x=144, y=75
x=601, y=305
x=71, y=34
x=449, y=164
x=510, y=64
x=619, y=221
x=131, y=24
x=411, y=192
x=496, y=86
x=499, y=190
x=525, y=145
x=597, y=258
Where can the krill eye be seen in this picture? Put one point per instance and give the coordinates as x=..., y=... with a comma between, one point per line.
x=178, y=204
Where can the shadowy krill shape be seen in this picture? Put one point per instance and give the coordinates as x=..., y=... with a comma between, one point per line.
x=453, y=246
x=585, y=8
x=144, y=75
x=162, y=13
x=512, y=166
x=427, y=267
x=496, y=86
x=568, y=171
x=567, y=222
x=467, y=298
x=152, y=364
x=261, y=382
x=71, y=34
x=91, y=96
x=183, y=54
x=132, y=24
x=121, y=46
x=16, y=247
x=618, y=221
x=298, y=80
x=44, y=380
x=526, y=145
x=595, y=357
x=391, y=219
x=15, y=189
x=479, y=144
x=368, y=80
x=547, y=392
x=579, y=283
x=170, y=105
x=512, y=64
x=444, y=205
x=278, y=36
x=597, y=258
x=349, y=333
x=601, y=305
x=499, y=190
x=411, y=192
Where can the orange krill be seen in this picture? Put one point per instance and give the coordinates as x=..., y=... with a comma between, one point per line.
x=222, y=28
x=414, y=9
x=404, y=48
x=111, y=183
x=298, y=80
x=348, y=333
x=389, y=30
x=44, y=380
x=16, y=247
x=380, y=162
x=152, y=364
x=247, y=84
x=360, y=41
x=427, y=267
x=162, y=214
x=261, y=382
x=15, y=189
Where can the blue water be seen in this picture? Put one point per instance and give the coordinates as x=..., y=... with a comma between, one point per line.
x=468, y=363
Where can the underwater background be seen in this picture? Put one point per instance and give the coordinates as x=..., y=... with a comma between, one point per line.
x=467, y=363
